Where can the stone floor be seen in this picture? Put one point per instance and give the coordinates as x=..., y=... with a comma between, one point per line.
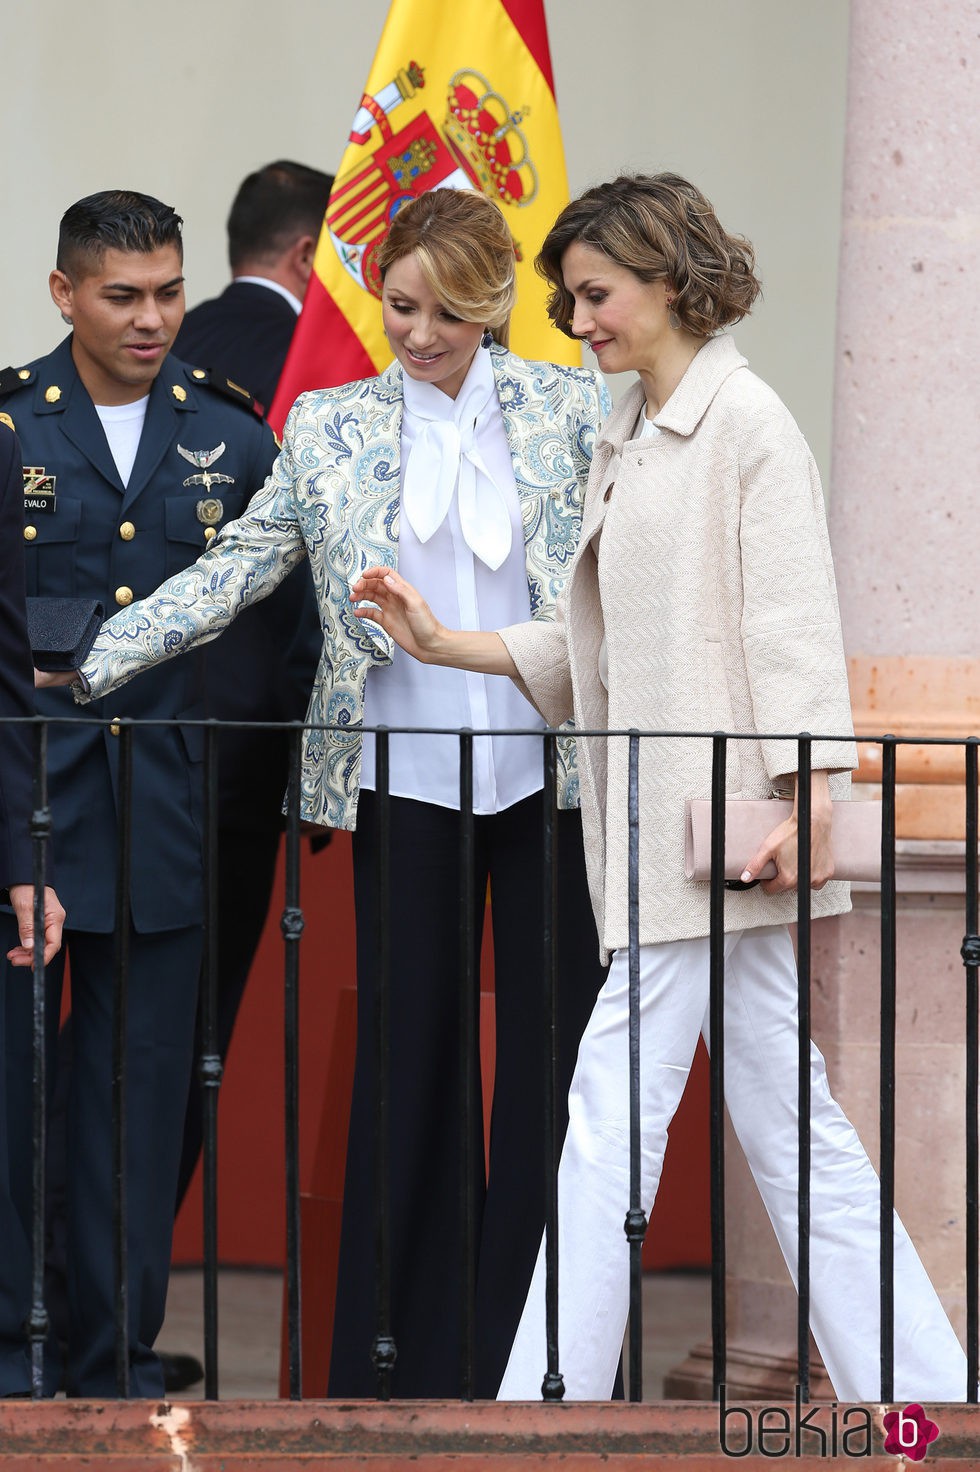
x=676, y=1316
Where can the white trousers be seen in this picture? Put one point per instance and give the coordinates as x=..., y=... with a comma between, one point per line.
x=761, y=1094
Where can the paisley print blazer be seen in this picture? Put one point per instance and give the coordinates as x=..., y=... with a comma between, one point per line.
x=333, y=495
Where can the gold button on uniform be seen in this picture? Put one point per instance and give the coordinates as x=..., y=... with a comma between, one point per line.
x=30, y=532
x=210, y=533
x=198, y=373
x=124, y=595
x=114, y=729
x=127, y=531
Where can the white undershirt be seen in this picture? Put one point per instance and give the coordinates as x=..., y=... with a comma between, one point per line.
x=123, y=425
x=464, y=594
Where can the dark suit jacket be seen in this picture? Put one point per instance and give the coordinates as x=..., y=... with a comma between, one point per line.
x=16, y=682
x=244, y=334
x=83, y=547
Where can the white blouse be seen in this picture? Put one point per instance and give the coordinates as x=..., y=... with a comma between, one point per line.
x=461, y=543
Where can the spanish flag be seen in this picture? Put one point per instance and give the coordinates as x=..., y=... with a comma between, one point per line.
x=466, y=103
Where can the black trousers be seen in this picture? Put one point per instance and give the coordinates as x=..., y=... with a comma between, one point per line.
x=426, y=1077
x=161, y=998
x=246, y=874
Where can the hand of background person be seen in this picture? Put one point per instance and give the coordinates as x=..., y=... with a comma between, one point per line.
x=22, y=901
x=400, y=610
x=781, y=845
x=47, y=679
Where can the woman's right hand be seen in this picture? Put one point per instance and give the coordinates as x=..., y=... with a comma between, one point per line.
x=404, y=614
x=400, y=610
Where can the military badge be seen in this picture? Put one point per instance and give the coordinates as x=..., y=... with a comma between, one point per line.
x=39, y=489
x=204, y=459
x=210, y=511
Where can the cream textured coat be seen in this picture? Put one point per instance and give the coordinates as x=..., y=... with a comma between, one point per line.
x=704, y=560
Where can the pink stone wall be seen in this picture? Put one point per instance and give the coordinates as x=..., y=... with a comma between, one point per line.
x=906, y=463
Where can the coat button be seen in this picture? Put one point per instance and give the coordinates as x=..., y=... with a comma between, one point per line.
x=30, y=532
x=124, y=595
x=127, y=531
x=210, y=532
x=114, y=729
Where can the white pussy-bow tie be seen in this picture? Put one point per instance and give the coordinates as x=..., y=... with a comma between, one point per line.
x=444, y=456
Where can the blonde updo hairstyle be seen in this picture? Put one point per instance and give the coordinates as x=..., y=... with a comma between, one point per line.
x=661, y=228
x=464, y=250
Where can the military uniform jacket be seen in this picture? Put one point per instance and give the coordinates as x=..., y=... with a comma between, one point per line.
x=87, y=536
x=334, y=496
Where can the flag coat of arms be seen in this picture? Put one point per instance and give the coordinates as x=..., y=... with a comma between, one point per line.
x=461, y=104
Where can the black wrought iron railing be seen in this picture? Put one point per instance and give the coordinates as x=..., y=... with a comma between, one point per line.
x=383, y=1347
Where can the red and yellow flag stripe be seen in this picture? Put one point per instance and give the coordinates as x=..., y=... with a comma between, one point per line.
x=469, y=104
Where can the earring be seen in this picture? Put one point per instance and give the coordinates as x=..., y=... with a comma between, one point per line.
x=487, y=338
x=672, y=318
x=66, y=319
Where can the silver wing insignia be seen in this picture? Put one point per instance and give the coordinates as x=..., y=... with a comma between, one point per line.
x=202, y=458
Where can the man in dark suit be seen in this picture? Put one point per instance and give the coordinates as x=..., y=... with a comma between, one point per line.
x=16, y=929
x=273, y=229
x=136, y=459
x=244, y=334
x=17, y=700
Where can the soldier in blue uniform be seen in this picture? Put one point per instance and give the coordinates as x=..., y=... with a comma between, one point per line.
x=133, y=460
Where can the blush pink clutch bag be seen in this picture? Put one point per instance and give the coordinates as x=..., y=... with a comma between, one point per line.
x=855, y=836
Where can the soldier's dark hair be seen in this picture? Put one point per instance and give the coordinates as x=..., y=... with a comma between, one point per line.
x=273, y=208
x=661, y=228
x=115, y=219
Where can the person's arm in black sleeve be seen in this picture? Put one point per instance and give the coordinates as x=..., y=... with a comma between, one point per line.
x=17, y=700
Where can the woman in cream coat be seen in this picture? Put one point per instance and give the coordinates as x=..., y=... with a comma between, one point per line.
x=467, y=465
x=701, y=598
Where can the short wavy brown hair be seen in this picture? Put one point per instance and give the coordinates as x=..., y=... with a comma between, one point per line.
x=465, y=252
x=661, y=228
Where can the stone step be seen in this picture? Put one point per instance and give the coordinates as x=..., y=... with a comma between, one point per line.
x=423, y=1436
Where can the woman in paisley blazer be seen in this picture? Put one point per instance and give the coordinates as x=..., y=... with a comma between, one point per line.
x=465, y=466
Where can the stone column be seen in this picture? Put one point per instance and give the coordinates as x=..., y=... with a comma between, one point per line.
x=904, y=506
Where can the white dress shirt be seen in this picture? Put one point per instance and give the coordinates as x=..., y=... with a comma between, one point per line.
x=460, y=444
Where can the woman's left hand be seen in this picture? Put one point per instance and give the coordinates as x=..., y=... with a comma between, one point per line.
x=781, y=846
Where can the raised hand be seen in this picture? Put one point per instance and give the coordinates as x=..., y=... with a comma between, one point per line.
x=387, y=599
x=399, y=609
